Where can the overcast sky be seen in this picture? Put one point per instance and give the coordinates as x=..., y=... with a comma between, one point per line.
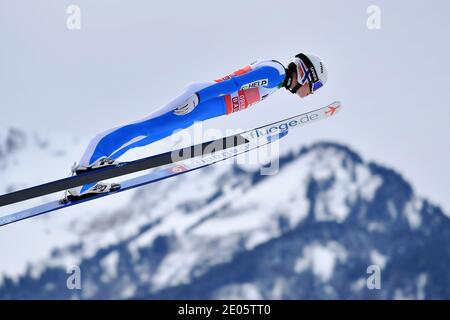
x=129, y=57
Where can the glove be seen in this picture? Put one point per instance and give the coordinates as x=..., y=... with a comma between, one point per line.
x=188, y=105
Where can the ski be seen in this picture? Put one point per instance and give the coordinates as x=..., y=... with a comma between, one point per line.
x=165, y=165
x=154, y=176
x=123, y=168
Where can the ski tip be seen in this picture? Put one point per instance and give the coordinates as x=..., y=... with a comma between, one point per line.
x=336, y=103
x=333, y=108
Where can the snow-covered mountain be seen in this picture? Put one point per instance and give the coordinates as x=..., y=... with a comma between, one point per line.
x=309, y=231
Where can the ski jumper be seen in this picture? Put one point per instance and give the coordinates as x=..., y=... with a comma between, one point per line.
x=229, y=94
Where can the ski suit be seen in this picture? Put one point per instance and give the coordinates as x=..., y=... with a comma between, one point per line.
x=232, y=93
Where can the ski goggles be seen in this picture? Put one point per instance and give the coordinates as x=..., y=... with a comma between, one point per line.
x=315, y=86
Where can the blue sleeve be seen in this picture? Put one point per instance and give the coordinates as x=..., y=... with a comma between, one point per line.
x=272, y=75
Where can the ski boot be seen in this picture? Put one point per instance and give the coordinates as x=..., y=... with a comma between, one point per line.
x=75, y=194
x=103, y=162
x=93, y=189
